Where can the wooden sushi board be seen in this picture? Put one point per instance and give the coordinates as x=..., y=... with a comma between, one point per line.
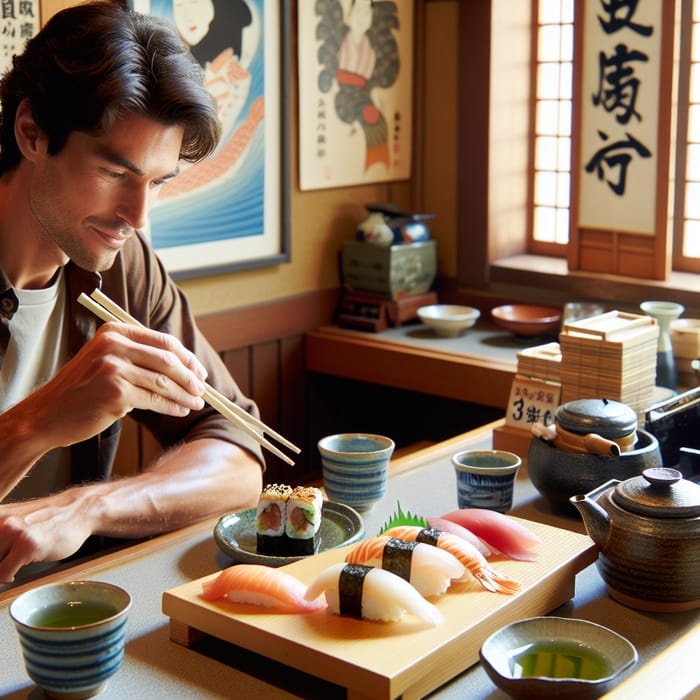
x=386, y=660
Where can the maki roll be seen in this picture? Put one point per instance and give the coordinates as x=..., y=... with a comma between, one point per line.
x=303, y=520
x=270, y=520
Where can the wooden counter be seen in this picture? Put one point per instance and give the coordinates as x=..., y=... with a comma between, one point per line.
x=155, y=667
x=477, y=366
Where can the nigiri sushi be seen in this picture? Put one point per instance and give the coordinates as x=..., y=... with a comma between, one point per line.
x=455, y=529
x=472, y=559
x=499, y=531
x=429, y=570
x=257, y=584
x=370, y=593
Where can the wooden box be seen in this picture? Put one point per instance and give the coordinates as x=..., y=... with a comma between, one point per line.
x=393, y=271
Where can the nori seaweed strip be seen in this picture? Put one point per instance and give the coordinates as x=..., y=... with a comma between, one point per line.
x=350, y=582
x=429, y=535
x=397, y=556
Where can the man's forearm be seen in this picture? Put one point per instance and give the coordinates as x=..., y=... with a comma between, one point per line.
x=188, y=483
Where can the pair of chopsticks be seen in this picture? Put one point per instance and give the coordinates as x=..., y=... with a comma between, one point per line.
x=103, y=307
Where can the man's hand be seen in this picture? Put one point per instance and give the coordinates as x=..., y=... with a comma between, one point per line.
x=51, y=532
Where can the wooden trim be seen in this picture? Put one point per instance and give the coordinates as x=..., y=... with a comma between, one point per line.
x=369, y=359
x=260, y=323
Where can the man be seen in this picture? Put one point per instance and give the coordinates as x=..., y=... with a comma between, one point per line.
x=97, y=114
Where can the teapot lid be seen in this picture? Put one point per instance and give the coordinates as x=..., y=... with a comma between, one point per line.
x=660, y=492
x=610, y=419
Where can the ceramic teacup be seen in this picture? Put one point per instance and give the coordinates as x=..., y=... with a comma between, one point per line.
x=485, y=478
x=355, y=467
x=72, y=635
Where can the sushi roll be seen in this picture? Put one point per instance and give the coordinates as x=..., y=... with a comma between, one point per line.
x=271, y=518
x=370, y=593
x=303, y=520
x=428, y=569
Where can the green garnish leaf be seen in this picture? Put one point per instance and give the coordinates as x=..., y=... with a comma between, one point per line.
x=401, y=518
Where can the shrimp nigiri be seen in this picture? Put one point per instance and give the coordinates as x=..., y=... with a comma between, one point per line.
x=428, y=569
x=370, y=593
x=499, y=531
x=257, y=584
x=474, y=562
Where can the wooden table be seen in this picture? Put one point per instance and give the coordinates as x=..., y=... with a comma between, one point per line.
x=477, y=366
x=155, y=667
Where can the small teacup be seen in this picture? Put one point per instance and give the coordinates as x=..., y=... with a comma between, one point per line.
x=72, y=635
x=355, y=467
x=485, y=478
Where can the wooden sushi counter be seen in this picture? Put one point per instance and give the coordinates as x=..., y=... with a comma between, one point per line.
x=157, y=667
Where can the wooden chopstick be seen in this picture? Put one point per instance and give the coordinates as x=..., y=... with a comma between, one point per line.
x=103, y=307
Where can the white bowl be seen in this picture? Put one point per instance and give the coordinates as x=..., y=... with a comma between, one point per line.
x=448, y=319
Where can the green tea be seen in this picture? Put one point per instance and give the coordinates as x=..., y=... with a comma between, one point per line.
x=559, y=660
x=72, y=614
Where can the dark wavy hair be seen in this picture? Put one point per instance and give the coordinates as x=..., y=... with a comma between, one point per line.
x=98, y=62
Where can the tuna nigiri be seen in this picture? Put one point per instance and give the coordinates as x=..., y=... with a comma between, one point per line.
x=257, y=584
x=428, y=569
x=471, y=558
x=449, y=526
x=499, y=531
x=366, y=592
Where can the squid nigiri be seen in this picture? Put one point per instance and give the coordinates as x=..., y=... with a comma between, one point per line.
x=428, y=569
x=499, y=531
x=257, y=584
x=472, y=559
x=367, y=592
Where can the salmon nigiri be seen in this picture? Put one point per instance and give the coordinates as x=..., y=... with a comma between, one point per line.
x=499, y=531
x=429, y=570
x=257, y=584
x=469, y=556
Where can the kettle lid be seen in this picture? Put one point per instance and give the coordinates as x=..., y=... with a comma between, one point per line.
x=660, y=492
x=608, y=418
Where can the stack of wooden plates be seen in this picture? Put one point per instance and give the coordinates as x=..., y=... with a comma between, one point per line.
x=541, y=361
x=610, y=356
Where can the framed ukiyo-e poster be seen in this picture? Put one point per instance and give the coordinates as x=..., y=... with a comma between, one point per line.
x=355, y=91
x=231, y=211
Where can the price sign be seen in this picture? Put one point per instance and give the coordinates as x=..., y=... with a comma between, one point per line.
x=532, y=401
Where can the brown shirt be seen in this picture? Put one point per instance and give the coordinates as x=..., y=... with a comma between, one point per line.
x=139, y=283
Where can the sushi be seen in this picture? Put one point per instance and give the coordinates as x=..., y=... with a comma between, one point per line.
x=256, y=584
x=271, y=518
x=303, y=520
x=499, y=531
x=474, y=562
x=370, y=593
x=429, y=570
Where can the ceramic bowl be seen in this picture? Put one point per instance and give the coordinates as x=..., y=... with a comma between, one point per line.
x=72, y=635
x=527, y=320
x=558, y=475
x=589, y=658
x=355, y=467
x=448, y=319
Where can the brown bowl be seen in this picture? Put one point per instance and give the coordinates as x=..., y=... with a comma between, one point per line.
x=527, y=320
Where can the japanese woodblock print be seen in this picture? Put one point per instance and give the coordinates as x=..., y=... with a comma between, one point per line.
x=230, y=211
x=355, y=91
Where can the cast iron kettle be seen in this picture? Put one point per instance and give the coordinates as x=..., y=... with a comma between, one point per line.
x=648, y=531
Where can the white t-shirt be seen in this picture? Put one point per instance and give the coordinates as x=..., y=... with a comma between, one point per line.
x=37, y=348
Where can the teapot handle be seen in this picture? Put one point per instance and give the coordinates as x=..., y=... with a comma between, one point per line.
x=600, y=490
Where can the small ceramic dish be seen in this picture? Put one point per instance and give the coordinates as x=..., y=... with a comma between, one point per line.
x=556, y=657
x=448, y=319
x=235, y=536
x=527, y=320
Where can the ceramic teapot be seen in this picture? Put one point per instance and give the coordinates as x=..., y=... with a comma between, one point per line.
x=648, y=531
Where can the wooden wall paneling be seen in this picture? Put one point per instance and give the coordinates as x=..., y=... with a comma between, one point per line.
x=238, y=364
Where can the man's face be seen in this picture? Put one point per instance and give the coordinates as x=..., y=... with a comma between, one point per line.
x=90, y=197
